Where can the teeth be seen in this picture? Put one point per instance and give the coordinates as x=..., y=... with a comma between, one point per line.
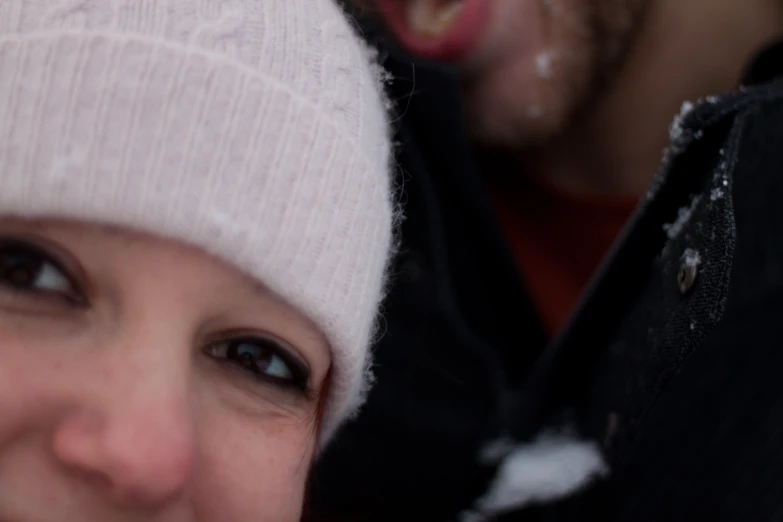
x=432, y=17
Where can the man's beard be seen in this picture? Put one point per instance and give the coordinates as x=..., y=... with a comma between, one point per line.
x=592, y=42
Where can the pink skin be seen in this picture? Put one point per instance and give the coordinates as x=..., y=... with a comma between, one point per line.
x=507, y=91
x=115, y=408
x=527, y=63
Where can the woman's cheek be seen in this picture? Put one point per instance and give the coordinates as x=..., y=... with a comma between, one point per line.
x=250, y=469
x=32, y=369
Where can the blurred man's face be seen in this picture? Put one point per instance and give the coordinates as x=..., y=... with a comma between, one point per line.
x=529, y=65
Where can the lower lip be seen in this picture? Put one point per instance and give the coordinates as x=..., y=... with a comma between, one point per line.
x=459, y=42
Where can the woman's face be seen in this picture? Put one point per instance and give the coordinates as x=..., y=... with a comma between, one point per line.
x=143, y=380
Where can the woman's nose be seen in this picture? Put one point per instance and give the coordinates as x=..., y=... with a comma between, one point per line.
x=136, y=449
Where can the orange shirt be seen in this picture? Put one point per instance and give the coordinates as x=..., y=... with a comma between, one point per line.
x=558, y=239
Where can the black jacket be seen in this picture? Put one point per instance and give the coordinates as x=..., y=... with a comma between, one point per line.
x=673, y=360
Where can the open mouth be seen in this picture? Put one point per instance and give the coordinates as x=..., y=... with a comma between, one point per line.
x=443, y=30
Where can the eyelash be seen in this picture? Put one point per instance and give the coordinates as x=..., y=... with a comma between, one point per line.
x=272, y=354
x=18, y=256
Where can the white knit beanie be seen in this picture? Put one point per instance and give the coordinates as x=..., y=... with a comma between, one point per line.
x=253, y=129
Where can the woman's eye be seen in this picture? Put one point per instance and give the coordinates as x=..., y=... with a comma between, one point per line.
x=263, y=358
x=25, y=268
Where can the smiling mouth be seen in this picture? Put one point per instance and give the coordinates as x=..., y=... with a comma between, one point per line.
x=444, y=30
x=432, y=18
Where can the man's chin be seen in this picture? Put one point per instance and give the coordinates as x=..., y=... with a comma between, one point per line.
x=514, y=123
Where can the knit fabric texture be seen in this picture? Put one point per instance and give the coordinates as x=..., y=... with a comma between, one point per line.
x=255, y=130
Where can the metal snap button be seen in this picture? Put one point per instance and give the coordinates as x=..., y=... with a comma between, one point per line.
x=690, y=263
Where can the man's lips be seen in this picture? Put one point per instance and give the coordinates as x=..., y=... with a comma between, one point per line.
x=443, y=30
